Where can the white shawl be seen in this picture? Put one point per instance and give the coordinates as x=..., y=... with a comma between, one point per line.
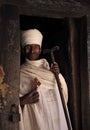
x=48, y=113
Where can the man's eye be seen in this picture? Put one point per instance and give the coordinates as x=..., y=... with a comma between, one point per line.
x=28, y=47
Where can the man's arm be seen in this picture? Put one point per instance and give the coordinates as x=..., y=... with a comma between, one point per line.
x=55, y=69
x=33, y=95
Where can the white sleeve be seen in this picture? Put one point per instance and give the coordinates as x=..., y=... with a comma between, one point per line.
x=64, y=87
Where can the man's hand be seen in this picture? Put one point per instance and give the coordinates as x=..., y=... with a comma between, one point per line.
x=33, y=95
x=55, y=68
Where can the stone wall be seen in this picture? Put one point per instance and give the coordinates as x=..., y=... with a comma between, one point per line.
x=88, y=48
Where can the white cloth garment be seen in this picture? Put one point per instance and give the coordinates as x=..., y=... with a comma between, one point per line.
x=47, y=114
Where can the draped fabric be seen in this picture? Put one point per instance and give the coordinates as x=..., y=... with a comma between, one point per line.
x=47, y=114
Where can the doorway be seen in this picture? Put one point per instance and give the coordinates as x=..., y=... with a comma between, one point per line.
x=61, y=32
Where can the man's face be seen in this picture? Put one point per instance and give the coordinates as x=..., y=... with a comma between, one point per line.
x=32, y=51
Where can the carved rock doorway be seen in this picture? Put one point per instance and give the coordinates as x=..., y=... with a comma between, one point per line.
x=70, y=34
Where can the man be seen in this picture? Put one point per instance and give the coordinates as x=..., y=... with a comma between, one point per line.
x=40, y=102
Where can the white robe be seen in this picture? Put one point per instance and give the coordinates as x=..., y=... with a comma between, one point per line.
x=47, y=114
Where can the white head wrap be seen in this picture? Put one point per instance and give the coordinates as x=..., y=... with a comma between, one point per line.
x=31, y=36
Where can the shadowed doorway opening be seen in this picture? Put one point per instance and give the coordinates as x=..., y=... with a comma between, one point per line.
x=70, y=34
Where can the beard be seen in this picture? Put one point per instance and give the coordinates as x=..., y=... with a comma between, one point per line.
x=33, y=56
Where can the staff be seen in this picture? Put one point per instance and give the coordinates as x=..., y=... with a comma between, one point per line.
x=59, y=85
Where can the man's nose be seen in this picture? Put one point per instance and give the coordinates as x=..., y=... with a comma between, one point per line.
x=32, y=50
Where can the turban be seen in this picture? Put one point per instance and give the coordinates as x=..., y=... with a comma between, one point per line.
x=31, y=36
